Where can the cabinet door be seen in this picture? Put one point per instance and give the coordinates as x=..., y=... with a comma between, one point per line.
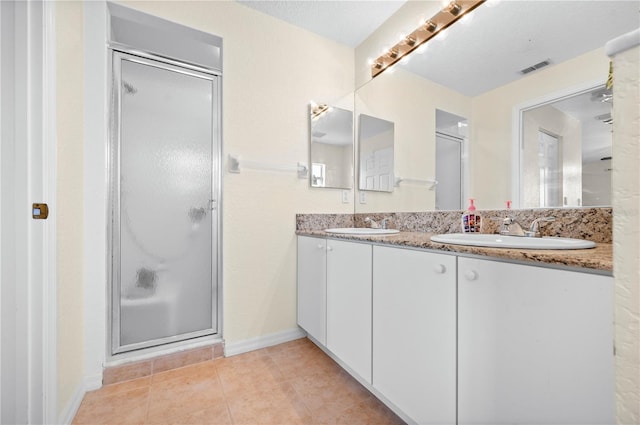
x=414, y=332
x=312, y=295
x=349, y=304
x=535, y=345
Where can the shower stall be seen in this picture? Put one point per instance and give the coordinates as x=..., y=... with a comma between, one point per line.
x=164, y=185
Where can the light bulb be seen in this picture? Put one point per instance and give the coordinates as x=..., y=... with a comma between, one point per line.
x=466, y=18
x=441, y=35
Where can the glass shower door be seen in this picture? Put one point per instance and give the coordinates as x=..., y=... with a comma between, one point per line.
x=164, y=236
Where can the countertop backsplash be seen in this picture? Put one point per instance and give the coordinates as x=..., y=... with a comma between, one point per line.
x=594, y=224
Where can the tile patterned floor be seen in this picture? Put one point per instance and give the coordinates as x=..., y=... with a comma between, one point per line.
x=292, y=383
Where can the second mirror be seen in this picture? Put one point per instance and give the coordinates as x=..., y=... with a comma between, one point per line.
x=375, y=144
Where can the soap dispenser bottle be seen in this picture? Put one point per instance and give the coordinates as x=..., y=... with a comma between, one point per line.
x=471, y=221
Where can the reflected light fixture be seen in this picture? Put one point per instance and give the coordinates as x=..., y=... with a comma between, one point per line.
x=318, y=110
x=449, y=14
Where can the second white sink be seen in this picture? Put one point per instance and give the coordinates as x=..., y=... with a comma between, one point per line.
x=499, y=241
x=361, y=231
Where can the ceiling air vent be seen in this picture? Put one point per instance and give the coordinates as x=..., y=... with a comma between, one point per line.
x=535, y=67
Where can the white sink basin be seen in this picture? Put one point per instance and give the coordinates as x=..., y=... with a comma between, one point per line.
x=499, y=241
x=361, y=231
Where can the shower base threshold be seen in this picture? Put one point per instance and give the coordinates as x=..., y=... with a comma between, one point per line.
x=132, y=368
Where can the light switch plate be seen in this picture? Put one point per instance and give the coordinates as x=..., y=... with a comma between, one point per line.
x=363, y=197
x=345, y=196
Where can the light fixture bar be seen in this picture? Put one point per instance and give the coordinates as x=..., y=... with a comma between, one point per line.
x=431, y=27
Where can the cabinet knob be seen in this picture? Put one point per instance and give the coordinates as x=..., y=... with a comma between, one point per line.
x=471, y=275
x=329, y=248
x=320, y=246
x=440, y=268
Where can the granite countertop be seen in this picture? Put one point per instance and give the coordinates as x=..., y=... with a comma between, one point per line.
x=599, y=258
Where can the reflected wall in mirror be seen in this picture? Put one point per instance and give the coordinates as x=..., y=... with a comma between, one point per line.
x=375, y=142
x=475, y=73
x=331, y=147
x=566, y=151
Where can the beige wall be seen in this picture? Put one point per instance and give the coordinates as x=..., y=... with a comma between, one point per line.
x=626, y=233
x=69, y=87
x=491, y=122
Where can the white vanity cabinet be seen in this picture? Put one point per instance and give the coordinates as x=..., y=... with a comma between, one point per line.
x=312, y=287
x=414, y=332
x=349, y=304
x=447, y=339
x=535, y=345
x=334, y=298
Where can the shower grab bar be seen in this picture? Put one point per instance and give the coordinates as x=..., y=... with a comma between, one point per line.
x=235, y=162
x=429, y=182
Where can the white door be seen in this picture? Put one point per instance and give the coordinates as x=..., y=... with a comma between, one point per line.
x=378, y=170
x=448, y=172
x=550, y=169
x=27, y=176
x=535, y=345
x=312, y=287
x=349, y=304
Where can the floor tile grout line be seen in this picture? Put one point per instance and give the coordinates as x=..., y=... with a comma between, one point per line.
x=224, y=396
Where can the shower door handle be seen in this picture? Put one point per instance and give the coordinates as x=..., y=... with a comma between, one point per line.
x=213, y=204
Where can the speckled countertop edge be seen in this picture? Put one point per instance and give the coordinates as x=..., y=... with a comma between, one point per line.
x=598, y=259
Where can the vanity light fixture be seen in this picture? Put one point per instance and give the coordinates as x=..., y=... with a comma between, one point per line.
x=431, y=27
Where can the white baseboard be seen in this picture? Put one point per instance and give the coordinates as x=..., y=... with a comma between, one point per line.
x=69, y=412
x=90, y=383
x=244, y=346
x=93, y=382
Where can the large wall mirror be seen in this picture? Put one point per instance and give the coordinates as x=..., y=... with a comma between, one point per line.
x=484, y=77
x=331, y=146
x=565, y=150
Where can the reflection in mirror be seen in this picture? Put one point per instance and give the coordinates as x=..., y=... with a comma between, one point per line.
x=375, y=141
x=451, y=136
x=475, y=73
x=331, y=147
x=566, y=151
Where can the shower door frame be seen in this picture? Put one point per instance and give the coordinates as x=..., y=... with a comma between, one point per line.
x=118, y=53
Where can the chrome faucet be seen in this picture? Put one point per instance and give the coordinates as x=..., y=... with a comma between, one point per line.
x=375, y=224
x=534, y=229
x=510, y=227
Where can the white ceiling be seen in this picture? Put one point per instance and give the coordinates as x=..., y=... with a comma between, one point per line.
x=347, y=22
